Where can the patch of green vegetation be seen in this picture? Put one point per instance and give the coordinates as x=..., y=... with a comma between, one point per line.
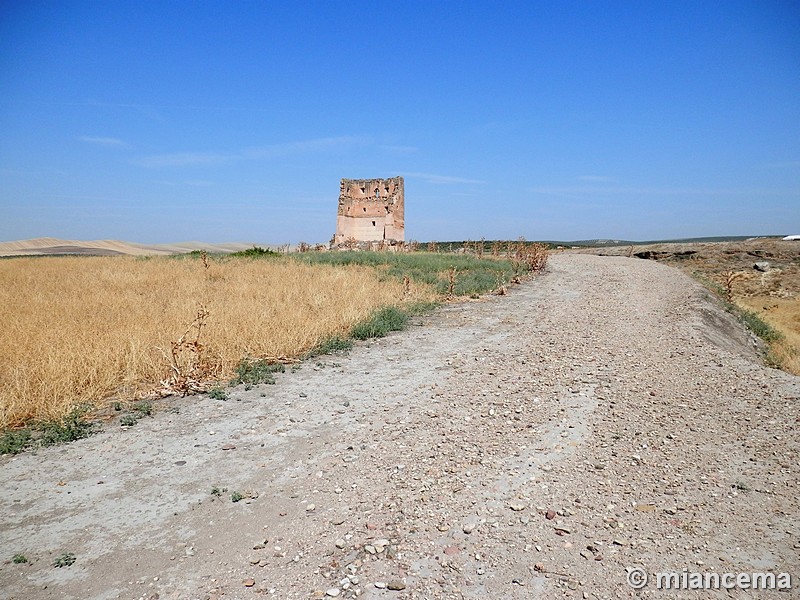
x=217, y=393
x=73, y=426
x=380, y=323
x=420, y=308
x=65, y=560
x=15, y=441
x=144, y=408
x=217, y=491
x=330, y=345
x=763, y=330
x=253, y=372
x=472, y=283
x=195, y=254
x=128, y=420
x=19, y=559
x=237, y=496
x=474, y=275
x=255, y=252
x=138, y=410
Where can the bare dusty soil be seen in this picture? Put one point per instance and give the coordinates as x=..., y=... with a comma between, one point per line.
x=604, y=416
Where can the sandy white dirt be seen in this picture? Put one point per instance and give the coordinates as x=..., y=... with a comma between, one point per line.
x=611, y=392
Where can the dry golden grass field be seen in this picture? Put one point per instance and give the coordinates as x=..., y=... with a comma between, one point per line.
x=85, y=329
x=784, y=316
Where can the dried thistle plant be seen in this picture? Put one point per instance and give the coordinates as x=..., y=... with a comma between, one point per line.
x=187, y=363
x=451, y=283
x=533, y=256
x=730, y=277
x=501, y=289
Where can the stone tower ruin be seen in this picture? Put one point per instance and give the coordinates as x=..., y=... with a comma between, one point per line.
x=370, y=210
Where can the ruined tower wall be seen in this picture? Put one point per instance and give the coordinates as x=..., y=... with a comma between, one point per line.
x=370, y=210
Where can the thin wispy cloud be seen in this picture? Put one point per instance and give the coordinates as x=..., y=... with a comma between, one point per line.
x=441, y=179
x=109, y=142
x=178, y=159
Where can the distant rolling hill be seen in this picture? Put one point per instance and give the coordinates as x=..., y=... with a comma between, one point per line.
x=53, y=246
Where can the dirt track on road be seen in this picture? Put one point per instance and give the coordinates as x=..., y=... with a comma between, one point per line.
x=603, y=416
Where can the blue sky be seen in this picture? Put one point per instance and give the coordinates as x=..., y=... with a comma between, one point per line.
x=234, y=121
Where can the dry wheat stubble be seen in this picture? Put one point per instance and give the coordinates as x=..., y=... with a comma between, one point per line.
x=81, y=329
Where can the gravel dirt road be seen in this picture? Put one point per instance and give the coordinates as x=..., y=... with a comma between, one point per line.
x=604, y=416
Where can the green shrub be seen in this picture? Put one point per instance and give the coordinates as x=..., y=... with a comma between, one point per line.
x=128, y=420
x=69, y=428
x=144, y=408
x=380, y=323
x=217, y=393
x=255, y=252
x=65, y=560
x=254, y=372
x=15, y=441
x=329, y=346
